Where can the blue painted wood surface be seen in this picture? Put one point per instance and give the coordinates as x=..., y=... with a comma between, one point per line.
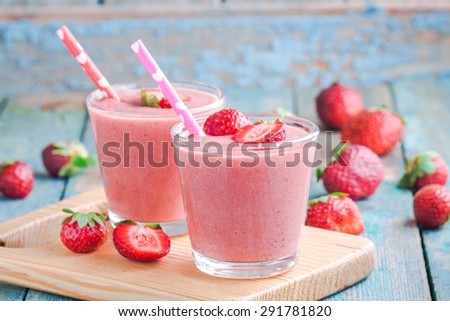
x=412, y=265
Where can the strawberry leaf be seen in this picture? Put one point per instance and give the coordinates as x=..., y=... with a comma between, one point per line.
x=79, y=161
x=149, y=100
x=319, y=173
x=418, y=167
x=125, y=222
x=83, y=219
x=323, y=199
x=155, y=226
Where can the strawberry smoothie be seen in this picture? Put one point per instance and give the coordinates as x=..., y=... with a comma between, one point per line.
x=246, y=204
x=135, y=154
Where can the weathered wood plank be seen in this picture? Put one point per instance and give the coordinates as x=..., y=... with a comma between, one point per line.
x=425, y=105
x=400, y=274
x=24, y=131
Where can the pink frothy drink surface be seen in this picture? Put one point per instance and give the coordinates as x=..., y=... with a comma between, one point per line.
x=251, y=207
x=135, y=154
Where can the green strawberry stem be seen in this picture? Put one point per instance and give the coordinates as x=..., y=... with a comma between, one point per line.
x=149, y=100
x=323, y=199
x=319, y=173
x=6, y=162
x=417, y=168
x=83, y=219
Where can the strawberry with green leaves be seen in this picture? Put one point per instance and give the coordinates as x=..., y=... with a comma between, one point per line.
x=424, y=169
x=83, y=233
x=335, y=212
x=16, y=179
x=64, y=159
x=142, y=243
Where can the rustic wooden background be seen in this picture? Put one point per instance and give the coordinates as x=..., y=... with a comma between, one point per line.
x=275, y=53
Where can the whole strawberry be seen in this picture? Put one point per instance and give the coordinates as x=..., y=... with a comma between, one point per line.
x=16, y=179
x=337, y=104
x=335, y=212
x=64, y=159
x=83, y=233
x=141, y=243
x=432, y=206
x=425, y=169
x=356, y=171
x=380, y=130
x=225, y=122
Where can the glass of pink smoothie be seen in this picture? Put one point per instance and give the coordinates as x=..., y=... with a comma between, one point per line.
x=246, y=204
x=135, y=154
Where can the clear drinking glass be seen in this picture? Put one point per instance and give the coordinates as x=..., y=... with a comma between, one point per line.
x=246, y=204
x=135, y=153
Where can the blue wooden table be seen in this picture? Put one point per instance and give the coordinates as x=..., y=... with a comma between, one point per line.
x=412, y=264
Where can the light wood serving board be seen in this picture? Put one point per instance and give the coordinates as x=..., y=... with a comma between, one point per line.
x=31, y=255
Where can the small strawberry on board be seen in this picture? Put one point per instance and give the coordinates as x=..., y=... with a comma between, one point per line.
x=83, y=233
x=142, y=243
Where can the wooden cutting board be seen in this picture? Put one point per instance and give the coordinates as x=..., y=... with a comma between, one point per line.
x=31, y=255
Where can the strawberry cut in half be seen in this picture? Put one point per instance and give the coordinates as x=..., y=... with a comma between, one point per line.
x=142, y=243
x=261, y=132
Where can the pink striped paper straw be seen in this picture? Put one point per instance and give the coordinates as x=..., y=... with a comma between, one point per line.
x=167, y=89
x=86, y=62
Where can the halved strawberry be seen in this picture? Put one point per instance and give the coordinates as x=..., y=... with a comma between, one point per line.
x=141, y=243
x=225, y=122
x=261, y=132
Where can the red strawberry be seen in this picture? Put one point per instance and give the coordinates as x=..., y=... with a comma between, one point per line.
x=380, y=130
x=225, y=122
x=141, y=242
x=16, y=179
x=358, y=172
x=337, y=104
x=425, y=169
x=432, y=206
x=83, y=233
x=335, y=212
x=164, y=103
x=261, y=132
x=63, y=159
